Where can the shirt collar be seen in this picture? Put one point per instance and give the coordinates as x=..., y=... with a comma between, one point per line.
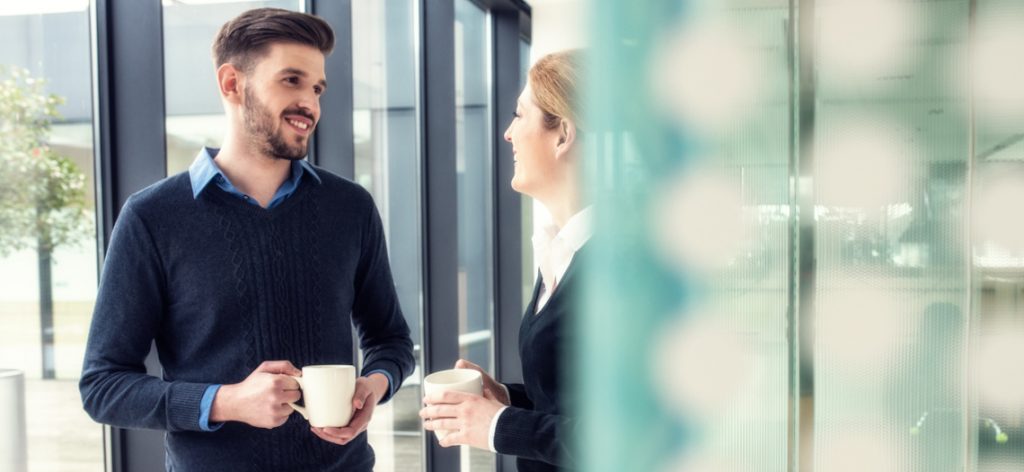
x=578, y=229
x=575, y=234
x=204, y=170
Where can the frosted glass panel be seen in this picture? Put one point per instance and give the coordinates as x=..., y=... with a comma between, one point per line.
x=998, y=235
x=748, y=298
x=812, y=220
x=890, y=159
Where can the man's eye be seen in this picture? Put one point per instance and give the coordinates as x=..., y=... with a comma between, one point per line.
x=292, y=80
x=318, y=90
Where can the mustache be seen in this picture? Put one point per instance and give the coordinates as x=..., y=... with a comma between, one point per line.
x=300, y=112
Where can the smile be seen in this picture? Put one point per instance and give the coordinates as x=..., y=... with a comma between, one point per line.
x=299, y=124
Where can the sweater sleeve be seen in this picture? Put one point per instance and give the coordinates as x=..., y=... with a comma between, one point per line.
x=115, y=387
x=535, y=435
x=383, y=333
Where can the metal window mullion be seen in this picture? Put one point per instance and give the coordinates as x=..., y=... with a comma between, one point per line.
x=333, y=147
x=508, y=206
x=436, y=55
x=968, y=431
x=130, y=142
x=803, y=266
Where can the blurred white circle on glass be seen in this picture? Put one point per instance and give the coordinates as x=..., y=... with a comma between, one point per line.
x=703, y=365
x=862, y=164
x=707, y=75
x=1000, y=370
x=698, y=219
x=857, y=327
x=997, y=70
x=863, y=40
x=994, y=223
x=858, y=451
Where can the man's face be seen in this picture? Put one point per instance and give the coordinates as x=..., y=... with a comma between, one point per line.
x=281, y=100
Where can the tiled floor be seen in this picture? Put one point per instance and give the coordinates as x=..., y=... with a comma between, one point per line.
x=61, y=437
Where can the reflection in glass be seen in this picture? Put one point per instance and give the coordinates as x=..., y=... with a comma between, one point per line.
x=474, y=164
x=47, y=229
x=387, y=164
x=195, y=116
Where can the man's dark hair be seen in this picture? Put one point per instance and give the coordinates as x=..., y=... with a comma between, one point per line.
x=246, y=38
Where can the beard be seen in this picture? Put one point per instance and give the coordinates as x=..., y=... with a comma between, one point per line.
x=259, y=125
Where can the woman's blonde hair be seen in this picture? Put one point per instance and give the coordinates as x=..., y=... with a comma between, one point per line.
x=555, y=81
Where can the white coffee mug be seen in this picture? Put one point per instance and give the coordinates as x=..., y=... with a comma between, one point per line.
x=459, y=380
x=327, y=392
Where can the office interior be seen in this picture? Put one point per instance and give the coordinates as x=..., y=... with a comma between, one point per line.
x=808, y=251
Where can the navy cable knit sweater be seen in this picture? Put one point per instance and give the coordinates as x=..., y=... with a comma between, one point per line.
x=222, y=285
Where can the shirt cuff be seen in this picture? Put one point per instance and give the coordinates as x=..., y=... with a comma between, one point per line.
x=391, y=382
x=494, y=427
x=205, y=405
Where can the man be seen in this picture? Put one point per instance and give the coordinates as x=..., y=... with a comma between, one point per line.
x=247, y=267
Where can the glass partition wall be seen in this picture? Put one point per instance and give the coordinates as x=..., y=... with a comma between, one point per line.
x=809, y=213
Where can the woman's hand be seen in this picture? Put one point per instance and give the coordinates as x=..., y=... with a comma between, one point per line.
x=466, y=417
x=497, y=390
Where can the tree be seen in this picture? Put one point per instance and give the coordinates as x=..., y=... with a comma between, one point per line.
x=42, y=193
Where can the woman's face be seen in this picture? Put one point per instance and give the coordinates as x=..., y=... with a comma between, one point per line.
x=533, y=147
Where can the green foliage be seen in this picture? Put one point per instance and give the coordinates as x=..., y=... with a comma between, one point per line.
x=42, y=193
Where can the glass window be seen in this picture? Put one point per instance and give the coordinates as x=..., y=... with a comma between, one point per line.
x=195, y=116
x=529, y=268
x=387, y=163
x=474, y=164
x=48, y=251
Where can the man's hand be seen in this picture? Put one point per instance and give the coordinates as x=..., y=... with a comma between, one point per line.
x=466, y=417
x=262, y=399
x=497, y=391
x=369, y=391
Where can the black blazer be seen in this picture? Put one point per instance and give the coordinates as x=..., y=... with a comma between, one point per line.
x=535, y=428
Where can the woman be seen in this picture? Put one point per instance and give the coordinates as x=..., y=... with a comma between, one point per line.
x=528, y=420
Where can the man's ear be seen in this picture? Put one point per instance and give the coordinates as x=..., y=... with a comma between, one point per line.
x=566, y=139
x=230, y=83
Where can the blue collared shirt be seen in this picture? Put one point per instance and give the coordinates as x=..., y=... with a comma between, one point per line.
x=205, y=170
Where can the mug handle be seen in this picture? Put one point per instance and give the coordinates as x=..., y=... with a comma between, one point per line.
x=302, y=410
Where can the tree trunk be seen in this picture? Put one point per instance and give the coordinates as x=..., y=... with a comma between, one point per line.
x=46, y=308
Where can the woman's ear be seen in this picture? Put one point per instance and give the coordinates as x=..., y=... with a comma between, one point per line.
x=566, y=138
x=229, y=81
